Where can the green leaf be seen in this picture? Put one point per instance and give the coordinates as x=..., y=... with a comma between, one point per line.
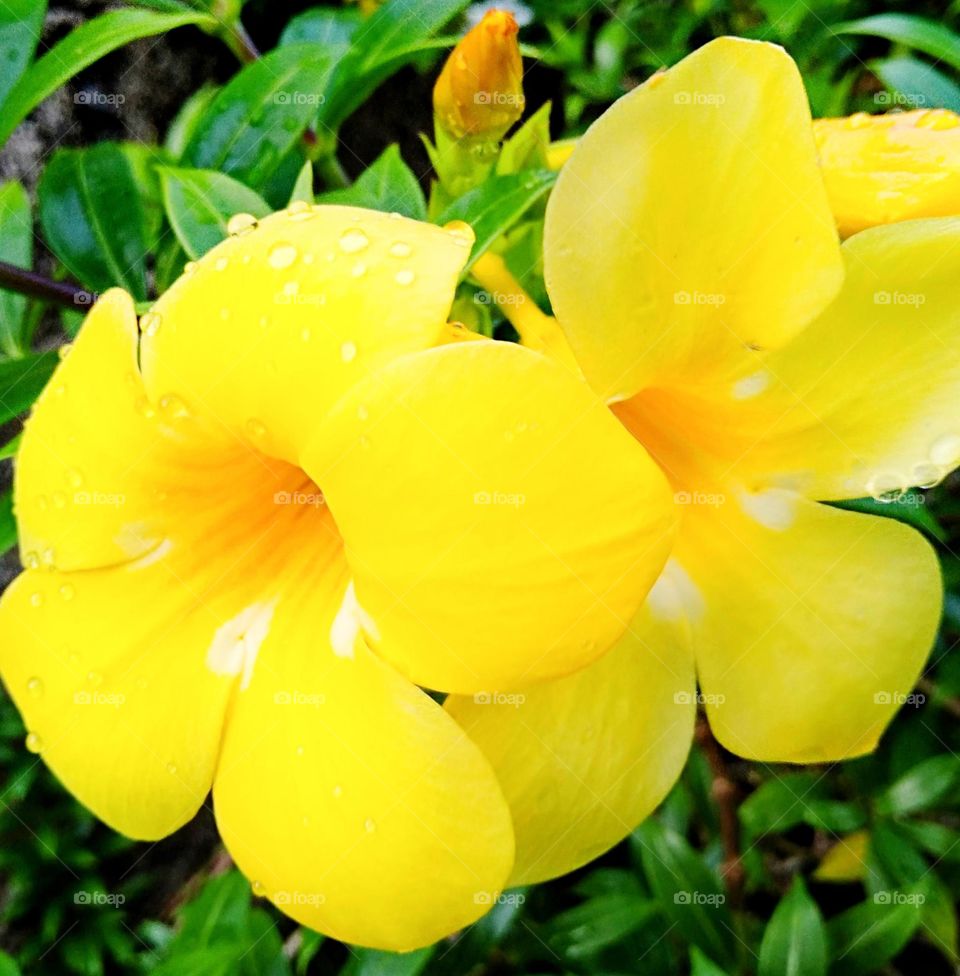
x=94, y=218
x=778, y=804
x=80, y=48
x=701, y=965
x=256, y=119
x=938, y=918
x=381, y=45
x=866, y=937
x=915, y=32
x=921, y=787
x=600, y=922
x=16, y=247
x=910, y=509
x=388, y=185
x=187, y=119
x=20, y=24
x=10, y=449
x=200, y=202
x=8, y=539
x=527, y=147
x=21, y=381
x=689, y=893
x=334, y=29
x=375, y=962
x=496, y=205
x=303, y=188
x=795, y=940
x=918, y=83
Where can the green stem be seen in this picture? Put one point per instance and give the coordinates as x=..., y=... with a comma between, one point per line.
x=37, y=286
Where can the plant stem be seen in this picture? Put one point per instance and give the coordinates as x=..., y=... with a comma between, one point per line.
x=726, y=794
x=37, y=286
x=236, y=38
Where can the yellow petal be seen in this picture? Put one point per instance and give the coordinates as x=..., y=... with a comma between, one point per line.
x=883, y=168
x=275, y=323
x=691, y=222
x=506, y=528
x=846, y=861
x=810, y=623
x=863, y=403
x=582, y=760
x=347, y=796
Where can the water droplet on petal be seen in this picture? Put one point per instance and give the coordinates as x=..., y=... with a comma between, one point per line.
x=946, y=450
x=150, y=323
x=460, y=231
x=281, y=255
x=359, y=270
x=256, y=428
x=67, y=591
x=259, y=889
x=300, y=210
x=35, y=687
x=362, y=412
x=59, y=499
x=31, y=560
x=172, y=768
x=348, y=352
x=353, y=240
x=190, y=267
x=241, y=223
x=404, y=277
x=64, y=350
x=36, y=599
x=173, y=408
x=401, y=249
x=337, y=791
x=74, y=478
x=369, y=825
x=220, y=264
x=33, y=742
x=927, y=475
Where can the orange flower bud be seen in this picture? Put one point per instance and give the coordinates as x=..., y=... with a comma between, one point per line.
x=480, y=90
x=884, y=168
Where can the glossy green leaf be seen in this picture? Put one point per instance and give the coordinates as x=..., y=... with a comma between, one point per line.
x=10, y=449
x=921, y=787
x=256, y=119
x=496, y=205
x=795, y=940
x=374, y=962
x=185, y=122
x=688, y=892
x=388, y=185
x=94, y=217
x=332, y=28
x=911, y=508
x=200, y=202
x=80, y=48
x=915, y=32
x=20, y=24
x=21, y=381
x=8, y=539
x=918, y=83
x=938, y=917
x=778, y=804
x=701, y=965
x=599, y=922
x=303, y=187
x=865, y=938
x=16, y=247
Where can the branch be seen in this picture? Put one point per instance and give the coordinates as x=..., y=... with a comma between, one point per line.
x=46, y=289
x=726, y=794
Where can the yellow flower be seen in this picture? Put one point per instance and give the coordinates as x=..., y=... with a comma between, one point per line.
x=253, y=530
x=480, y=90
x=883, y=168
x=693, y=263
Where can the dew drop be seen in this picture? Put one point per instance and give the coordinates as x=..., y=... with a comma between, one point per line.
x=241, y=223
x=42, y=503
x=401, y=249
x=337, y=791
x=67, y=591
x=220, y=264
x=362, y=412
x=299, y=750
x=48, y=557
x=33, y=742
x=946, y=450
x=460, y=231
x=173, y=407
x=94, y=678
x=150, y=323
x=404, y=277
x=59, y=499
x=143, y=684
x=36, y=599
x=306, y=334
x=172, y=768
x=348, y=352
x=74, y=478
x=256, y=428
x=259, y=889
x=927, y=475
x=369, y=825
x=31, y=560
x=190, y=267
x=358, y=270
x=35, y=687
x=353, y=240
x=281, y=255
x=64, y=351
x=300, y=210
